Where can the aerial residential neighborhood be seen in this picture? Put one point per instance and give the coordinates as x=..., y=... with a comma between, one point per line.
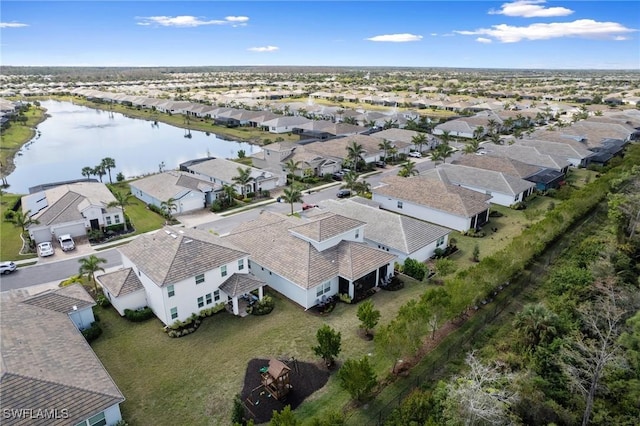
x=425, y=217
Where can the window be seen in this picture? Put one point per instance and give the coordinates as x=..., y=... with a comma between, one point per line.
x=323, y=288
x=249, y=263
x=440, y=242
x=199, y=279
x=200, y=302
x=488, y=193
x=116, y=218
x=97, y=420
x=171, y=291
x=108, y=220
x=174, y=313
x=216, y=295
x=240, y=264
x=209, y=298
x=399, y=204
x=516, y=197
x=223, y=270
x=357, y=233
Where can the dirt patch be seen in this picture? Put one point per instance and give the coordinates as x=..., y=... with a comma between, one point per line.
x=305, y=378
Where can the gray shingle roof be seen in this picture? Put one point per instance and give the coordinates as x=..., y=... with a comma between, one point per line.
x=45, y=362
x=120, y=283
x=433, y=193
x=487, y=180
x=399, y=232
x=171, y=184
x=498, y=164
x=327, y=227
x=226, y=170
x=238, y=284
x=60, y=300
x=172, y=255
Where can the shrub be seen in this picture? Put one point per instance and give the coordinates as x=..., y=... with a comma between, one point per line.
x=495, y=213
x=344, y=297
x=102, y=301
x=9, y=215
x=262, y=307
x=138, y=315
x=518, y=206
x=93, y=332
x=415, y=269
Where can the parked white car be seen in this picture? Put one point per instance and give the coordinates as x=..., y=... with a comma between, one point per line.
x=7, y=267
x=415, y=154
x=66, y=242
x=45, y=249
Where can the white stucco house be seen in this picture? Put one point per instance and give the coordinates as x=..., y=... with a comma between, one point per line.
x=179, y=272
x=401, y=235
x=187, y=192
x=309, y=260
x=434, y=201
x=48, y=366
x=71, y=209
x=285, y=124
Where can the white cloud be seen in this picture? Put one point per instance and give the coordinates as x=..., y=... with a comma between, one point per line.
x=190, y=21
x=484, y=40
x=584, y=28
x=530, y=9
x=263, y=49
x=12, y=25
x=396, y=38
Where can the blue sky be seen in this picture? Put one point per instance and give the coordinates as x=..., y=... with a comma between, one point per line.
x=471, y=34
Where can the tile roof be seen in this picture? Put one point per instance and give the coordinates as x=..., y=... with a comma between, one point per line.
x=172, y=255
x=399, y=232
x=272, y=246
x=498, y=164
x=46, y=363
x=435, y=194
x=238, y=284
x=396, y=135
x=356, y=259
x=226, y=170
x=557, y=149
x=62, y=300
x=121, y=282
x=487, y=180
x=526, y=154
x=172, y=184
x=325, y=228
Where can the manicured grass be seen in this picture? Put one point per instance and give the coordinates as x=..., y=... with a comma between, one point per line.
x=11, y=242
x=16, y=135
x=192, y=380
x=142, y=219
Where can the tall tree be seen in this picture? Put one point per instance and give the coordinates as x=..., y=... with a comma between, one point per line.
x=168, y=207
x=292, y=167
x=121, y=200
x=329, y=342
x=358, y=378
x=89, y=266
x=471, y=147
x=107, y=164
x=444, y=150
x=408, y=169
x=355, y=151
x=230, y=193
x=243, y=178
x=445, y=137
x=23, y=220
x=385, y=146
x=418, y=141
x=99, y=171
x=535, y=324
x=350, y=179
x=292, y=195
x=478, y=133
x=87, y=171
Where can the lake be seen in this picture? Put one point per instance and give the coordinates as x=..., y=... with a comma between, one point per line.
x=75, y=136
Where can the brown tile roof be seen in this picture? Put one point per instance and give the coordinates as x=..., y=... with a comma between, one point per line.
x=55, y=301
x=238, y=284
x=172, y=255
x=433, y=193
x=45, y=362
x=327, y=227
x=120, y=283
x=356, y=259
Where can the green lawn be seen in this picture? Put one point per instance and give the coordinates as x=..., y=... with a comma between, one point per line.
x=10, y=234
x=12, y=139
x=192, y=380
x=142, y=219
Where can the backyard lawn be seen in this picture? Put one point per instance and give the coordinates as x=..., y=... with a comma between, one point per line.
x=11, y=242
x=142, y=219
x=192, y=380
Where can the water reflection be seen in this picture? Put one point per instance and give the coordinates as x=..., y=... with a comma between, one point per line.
x=74, y=137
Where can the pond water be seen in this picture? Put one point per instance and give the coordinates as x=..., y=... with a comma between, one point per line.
x=74, y=137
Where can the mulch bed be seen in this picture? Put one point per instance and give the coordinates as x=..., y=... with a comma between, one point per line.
x=305, y=380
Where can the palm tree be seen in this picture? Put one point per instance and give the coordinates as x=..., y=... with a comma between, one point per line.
x=350, y=179
x=492, y=125
x=495, y=138
x=350, y=120
x=442, y=152
x=87, y=171
x=122, y=200
x=536, y=324
x=230, y=192
x=408, y=169
x=168, y=207
x=292, y=167
x=389, y=124
x=108, y=163
x=243, y=178
x=23, y=220
x=472, y=147
x=362, y=187
x=445, y=137
x=89, y=266
x=292, y=195
x=385, y=146
x=478, y=133
x=393, y=151
x=419, y=140
x=354, y=154
x=99, y=171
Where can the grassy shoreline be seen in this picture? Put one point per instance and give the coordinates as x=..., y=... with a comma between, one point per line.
x=16, y=136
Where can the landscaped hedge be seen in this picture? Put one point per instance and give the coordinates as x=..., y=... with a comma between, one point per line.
x=262, y=307
x=93, y=332
x=191, y=324
x=139, y=315
x=415, y=269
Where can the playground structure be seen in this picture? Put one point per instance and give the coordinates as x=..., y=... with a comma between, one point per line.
x=276, y=379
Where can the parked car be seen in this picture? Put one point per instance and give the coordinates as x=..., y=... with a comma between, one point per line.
x=343, y=193
x=66, y=242
x=415, y=154
x=337, y=176
x=306, y=206
x=381, y=164
x=45, y=249
x=7, y=267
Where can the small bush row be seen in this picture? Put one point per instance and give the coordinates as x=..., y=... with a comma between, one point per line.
x=191, y=324
x=138, y=315
x=262, y=307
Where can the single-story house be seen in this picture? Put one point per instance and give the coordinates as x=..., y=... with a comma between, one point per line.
x=434, y=201
x=527, y=155
x=187, y=191
x=71, y=209
x=49, y=374
x=178, y=272
x=403, y=236
x=284, y=124
x=575, y=155
x=309, y=260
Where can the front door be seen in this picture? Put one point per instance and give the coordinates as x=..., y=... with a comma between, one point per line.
x=94, y=224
